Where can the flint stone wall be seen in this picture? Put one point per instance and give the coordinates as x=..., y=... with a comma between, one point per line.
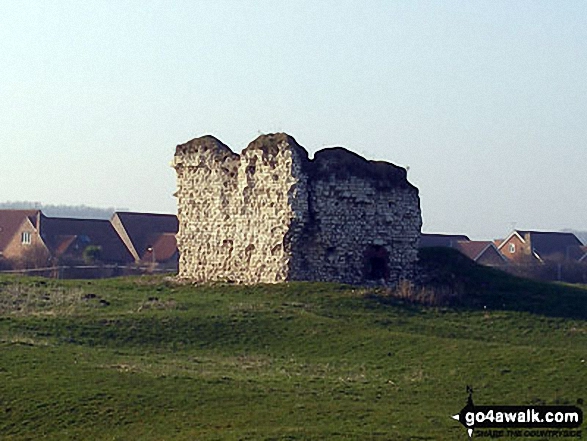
x=271, y=214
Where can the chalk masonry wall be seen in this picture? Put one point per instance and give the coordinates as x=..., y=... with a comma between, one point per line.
x=272, y=215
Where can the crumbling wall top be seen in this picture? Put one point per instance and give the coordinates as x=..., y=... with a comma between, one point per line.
x=204, y=144
x=270, y=145
x=342, y=164
x=330, y=163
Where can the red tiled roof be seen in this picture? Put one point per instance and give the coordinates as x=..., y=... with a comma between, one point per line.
x=62, y=244
x=164, y=247
x=474, y=248
x=10, y=221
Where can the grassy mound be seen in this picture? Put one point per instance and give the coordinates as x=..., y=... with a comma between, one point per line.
x=477, y=286
x=141, y=358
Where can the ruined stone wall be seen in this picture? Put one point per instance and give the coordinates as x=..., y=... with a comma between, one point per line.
x=364, y=221
x=269, y=182
x=206, y=171
x=235, y=211
x=271, y=214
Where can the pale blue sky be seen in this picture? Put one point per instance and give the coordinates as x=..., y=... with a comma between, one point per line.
x=485, y=101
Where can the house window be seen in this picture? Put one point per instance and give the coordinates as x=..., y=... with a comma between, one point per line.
x=25, y=238
x=512, y=248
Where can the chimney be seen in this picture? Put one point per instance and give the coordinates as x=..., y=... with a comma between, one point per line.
x=38, y=222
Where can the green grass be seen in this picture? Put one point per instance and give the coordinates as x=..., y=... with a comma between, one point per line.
x=143, y=359
x=483, y=287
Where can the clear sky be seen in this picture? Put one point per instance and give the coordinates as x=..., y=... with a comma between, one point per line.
x=484, y=101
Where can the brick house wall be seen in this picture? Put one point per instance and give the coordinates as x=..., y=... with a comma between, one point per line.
x=27, y=245
x=516, y=249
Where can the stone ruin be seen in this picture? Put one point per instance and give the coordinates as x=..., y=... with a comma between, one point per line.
x=271, y=214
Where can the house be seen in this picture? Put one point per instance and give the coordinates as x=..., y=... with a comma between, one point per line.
x=531, y=246
x=19, y=238
x=29, y=239
x=10, y=222
x=482, y=252
x=441, y=240
x=150, y=238
x=38, y=240
x=68, y=238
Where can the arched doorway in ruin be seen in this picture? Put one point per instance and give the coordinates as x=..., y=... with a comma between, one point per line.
x=376, y=263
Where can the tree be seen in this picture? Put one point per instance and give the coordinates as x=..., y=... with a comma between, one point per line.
x=92, y=254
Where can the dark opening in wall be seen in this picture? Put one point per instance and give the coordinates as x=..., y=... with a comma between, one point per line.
x=330, y=255
x=227, y=246
x=376, y=263
x=249, y=252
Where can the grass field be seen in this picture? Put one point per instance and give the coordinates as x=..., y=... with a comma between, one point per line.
x=144, y=359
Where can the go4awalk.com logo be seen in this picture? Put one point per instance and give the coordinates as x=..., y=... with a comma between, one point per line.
x=520, y=421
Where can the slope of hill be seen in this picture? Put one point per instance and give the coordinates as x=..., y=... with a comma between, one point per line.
x=478, y=286
x=145, y=359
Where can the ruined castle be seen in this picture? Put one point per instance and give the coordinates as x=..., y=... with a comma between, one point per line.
x=271, y=214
